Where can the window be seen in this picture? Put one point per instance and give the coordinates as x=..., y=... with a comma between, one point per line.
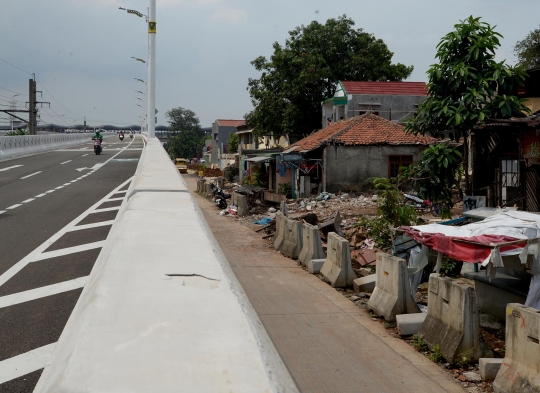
x=395, y=162
x=510, y=184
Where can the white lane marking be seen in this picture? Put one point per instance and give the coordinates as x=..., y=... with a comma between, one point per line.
x=2, y=211
x=115, y=199
x=38, y=293
x=29, y=200
x=67, y=251
x=26, y=363
x=106, y=209
x=66, y=184
x=48, y=192
x=84, y=155
x=8, y=274
x=59, y=187
x=27, y=176
x=73, y=181
x=90, y=226
x=65, y=162
x=14, y=206
x=40, y=195
x=97, y=166
x=10, y=167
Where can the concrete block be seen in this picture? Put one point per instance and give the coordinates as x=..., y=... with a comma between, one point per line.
x=292, y=239
x=409, y=324
x=284, y=208
x=520, y=370
x=314, y=266
x=365, y=284
x=489, y=367
x=392, y=294
x=338, y=268
x=311, y=244
x=280, y=230
x=453, y=321
x=208, y=189
x=242, y=204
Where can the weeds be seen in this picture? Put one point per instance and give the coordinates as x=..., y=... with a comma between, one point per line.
x=436, y=354
x=419, y=343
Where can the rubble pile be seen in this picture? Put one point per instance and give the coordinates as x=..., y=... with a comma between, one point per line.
x=348, y=205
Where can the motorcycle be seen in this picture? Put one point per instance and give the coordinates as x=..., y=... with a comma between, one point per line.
x=131, y=136
x=422, y=204
x=121, y=137
x=97, y=145
x=219, y=197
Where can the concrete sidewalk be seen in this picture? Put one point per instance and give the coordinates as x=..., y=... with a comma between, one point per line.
x=328, y=343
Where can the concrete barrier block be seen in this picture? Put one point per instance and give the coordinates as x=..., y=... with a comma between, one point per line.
x=314, y=266
x=279, y=236
x=242, y=204
x=338, y=268
x=409, y=324
x=284, y=208
x=489, y=367
x=392, y=294
x=520, y=369
x=292, y=239
x=452, y=320
x=208, y=189
x=365, y=284
x=311, y=244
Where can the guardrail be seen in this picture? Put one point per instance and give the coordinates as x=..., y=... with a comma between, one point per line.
x=25, y=145
x=163, y=311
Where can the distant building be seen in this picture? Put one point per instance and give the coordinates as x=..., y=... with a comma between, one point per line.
x=395, y=101
x=221, y=131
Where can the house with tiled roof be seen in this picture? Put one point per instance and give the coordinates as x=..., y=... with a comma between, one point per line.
x=351, y=151
x=395, y=101
x=221, y=131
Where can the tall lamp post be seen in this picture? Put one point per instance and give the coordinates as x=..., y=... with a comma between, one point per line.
x=151, y=96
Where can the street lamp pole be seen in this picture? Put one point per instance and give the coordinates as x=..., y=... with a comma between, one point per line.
x=151, y=99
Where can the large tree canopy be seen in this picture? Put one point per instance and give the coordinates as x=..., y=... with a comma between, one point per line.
x=301, y=74
x=468, y=86
x=528, y=50
x=189, y=139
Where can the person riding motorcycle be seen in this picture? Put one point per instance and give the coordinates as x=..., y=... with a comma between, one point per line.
x=97, y=135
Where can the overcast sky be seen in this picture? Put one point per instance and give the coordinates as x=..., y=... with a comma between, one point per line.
x=80, y=50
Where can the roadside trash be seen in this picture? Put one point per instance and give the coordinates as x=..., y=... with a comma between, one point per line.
x=324, y=196
x=374, y=198
x=264, y=221
x=272, y=210
x=223, y=213
x=233, y=210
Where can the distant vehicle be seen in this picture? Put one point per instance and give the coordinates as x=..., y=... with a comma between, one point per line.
x=181, y=165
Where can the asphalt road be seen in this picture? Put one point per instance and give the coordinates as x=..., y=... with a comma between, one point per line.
x=56, y=210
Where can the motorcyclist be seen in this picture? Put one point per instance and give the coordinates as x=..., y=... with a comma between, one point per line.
x=97, y=135
x=121, y=136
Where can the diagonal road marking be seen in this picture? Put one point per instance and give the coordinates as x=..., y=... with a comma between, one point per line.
x=38, y=293
x=66, y=251
x=26, y=363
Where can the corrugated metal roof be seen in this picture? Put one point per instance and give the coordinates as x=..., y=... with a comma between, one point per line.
x=386, y=88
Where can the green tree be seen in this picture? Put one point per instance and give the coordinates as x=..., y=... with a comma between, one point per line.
x=302, y=73
x=233, y=143
x=528, y=50
x=468, y=86
x=437, y=175
x=189, y=137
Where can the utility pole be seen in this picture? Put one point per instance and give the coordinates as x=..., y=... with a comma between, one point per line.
x=84, y=128
x=32, y=111
x=152, y=70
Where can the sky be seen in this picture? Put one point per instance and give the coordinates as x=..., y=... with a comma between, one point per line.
x=80, y=50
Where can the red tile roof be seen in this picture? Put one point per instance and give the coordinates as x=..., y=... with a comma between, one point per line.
x=386, y=88
x=230, y=123
x=367, y=129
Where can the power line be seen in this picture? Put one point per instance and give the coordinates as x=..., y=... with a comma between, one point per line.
x=7, y=62
x=56, y=99
x=21, y=94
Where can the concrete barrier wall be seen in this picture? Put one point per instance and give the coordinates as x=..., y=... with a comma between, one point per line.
x=392, y=294
x=281, y=226
x=292, y=239
x=162, y=311
x=26, y=145
x=452, y=320
x=338, y=268
x=520, y=370
x=311, y=244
